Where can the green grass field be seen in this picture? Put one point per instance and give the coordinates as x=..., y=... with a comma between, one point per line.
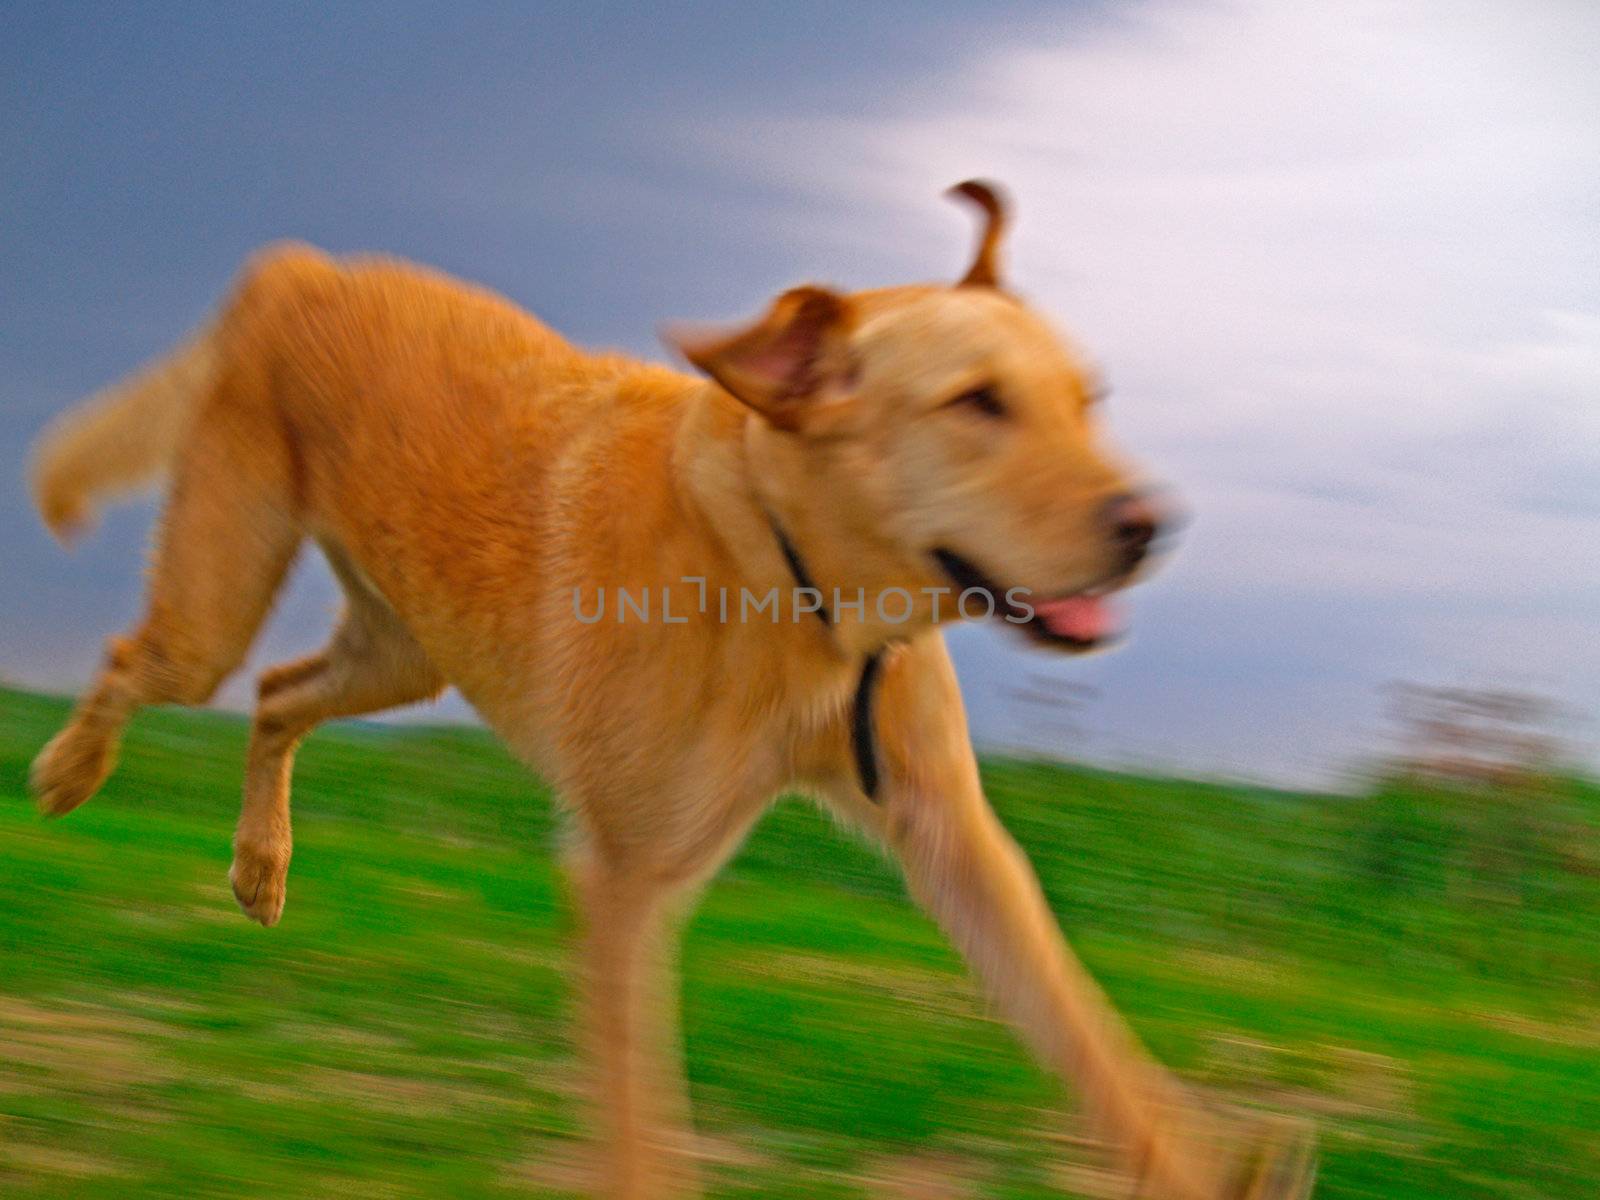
x=403, y=1032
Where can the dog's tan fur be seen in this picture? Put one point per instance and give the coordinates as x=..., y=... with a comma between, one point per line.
x=465, y=469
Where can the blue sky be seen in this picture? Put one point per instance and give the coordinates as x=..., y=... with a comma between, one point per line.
x=1340, y=264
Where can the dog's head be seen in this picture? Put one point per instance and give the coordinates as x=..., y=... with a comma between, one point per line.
x=952, y=435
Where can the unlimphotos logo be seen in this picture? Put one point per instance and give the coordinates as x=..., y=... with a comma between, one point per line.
x=892, y=606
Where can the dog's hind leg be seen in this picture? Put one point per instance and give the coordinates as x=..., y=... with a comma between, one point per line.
x=226, y=538
x=371, y=664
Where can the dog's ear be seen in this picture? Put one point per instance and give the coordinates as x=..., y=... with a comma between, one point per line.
x=990, y=198
x=792, y=361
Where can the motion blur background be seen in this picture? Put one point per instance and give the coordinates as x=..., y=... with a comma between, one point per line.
x=1340, y=265
x=1338, y=262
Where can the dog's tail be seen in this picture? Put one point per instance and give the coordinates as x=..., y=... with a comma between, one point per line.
x=119, y=439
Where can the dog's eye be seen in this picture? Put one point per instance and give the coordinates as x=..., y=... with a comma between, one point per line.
x=984, y=399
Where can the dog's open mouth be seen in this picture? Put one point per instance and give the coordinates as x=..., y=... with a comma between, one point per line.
x=1077, y=622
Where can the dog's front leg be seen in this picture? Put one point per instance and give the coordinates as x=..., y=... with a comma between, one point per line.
x=972, y=878
x=969, y=874
x=639, y=1107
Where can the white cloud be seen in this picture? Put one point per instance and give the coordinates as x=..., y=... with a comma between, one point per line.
x=1341, y=262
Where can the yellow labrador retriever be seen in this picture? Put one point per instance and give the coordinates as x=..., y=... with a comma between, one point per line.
x=676, y=596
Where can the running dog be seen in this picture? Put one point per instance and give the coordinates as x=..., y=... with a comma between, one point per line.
x=675, y=595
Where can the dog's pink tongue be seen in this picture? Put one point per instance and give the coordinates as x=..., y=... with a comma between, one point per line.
x=1083, y=618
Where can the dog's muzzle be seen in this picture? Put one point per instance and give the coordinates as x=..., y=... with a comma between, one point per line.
x=1077, y=622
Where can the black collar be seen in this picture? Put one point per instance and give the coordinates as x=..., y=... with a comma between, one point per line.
x=863, y=745
x=797, y=567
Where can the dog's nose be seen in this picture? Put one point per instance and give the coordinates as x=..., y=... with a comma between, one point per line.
x=1135, y=521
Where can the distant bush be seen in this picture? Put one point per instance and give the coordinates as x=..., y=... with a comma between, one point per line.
x=1472, y=838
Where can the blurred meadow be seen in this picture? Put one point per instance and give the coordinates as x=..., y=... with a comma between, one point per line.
x=1417, y=968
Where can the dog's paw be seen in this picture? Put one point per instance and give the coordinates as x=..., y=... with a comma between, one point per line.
x=260, y=879
x=1282, y=1166
x=70, y=769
